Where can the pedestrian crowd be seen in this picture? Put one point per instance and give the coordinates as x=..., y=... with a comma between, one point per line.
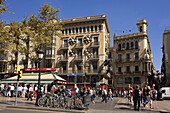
x=141, y=95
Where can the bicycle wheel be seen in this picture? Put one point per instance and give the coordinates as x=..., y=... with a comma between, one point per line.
x=41, y=102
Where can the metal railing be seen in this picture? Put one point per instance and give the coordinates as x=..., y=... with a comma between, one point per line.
x=95, y=43
x=64, y=45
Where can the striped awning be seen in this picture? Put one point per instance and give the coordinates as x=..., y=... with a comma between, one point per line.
x=33, y=78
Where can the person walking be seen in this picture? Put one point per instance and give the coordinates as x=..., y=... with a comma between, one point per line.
x=137, y=98
x=12, y=90
x=20, y=91
x=149, y=96
x=24, y=90
x=104, y=93
x=144, y=95
x=30, y=93
x=110, y=94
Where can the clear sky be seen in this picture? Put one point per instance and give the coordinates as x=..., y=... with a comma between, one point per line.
x=122, y=16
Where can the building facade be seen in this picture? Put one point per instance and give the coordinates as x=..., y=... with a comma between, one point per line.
x=83, y=48
x=132, y=62
x=166, y=56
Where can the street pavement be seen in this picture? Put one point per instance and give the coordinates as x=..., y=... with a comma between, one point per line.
x=118, y=105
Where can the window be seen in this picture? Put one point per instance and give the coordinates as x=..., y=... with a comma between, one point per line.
x=119, y=69
x=141, y=29
x=84, y=29
x=100, y=27
x=127, y=68
x=65, y=43
x=128, y=80
x=119, y=47
x=64, y=67
x=110, y=55
x=95, y=39
x=136, y=56
x=76, y=30
x=136, y=80
x=96, y=28
x=127, y=46
x=73, y=30
x=123, y=45
x=119, y=80
x=95, y=66
x=69, y=31
x=136, y=45
x=127, y=56
x=88, y=29
x=149, y=68
x=79, y=41
x=119, y=57
x=145, y=66
x=132, y=45
x=91, y=28
x=66, y=31
x=136, y=68
x=80, y=30
x=63, y=32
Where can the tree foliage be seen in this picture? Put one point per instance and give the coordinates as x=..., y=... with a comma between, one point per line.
x=37, y=30
x=3, y=7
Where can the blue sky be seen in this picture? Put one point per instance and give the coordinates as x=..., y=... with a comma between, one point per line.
x=122, y=16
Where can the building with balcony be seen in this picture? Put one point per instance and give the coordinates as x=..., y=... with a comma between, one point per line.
x=85, y=44
x=165, y=69
x=132, y=59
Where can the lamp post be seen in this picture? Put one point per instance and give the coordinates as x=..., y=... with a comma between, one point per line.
x=40, y=56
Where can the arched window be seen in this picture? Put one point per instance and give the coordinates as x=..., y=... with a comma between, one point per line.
x=128, y=80
x=127, y=46
x=137, y=80
x=141, y=29
x=136, y=45
x=119, y=80
x=123, y=45
x=119, y=47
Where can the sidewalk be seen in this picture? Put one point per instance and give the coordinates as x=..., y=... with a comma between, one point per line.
x=22, y=103
x=158, y=106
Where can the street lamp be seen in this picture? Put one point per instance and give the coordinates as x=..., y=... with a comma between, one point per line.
x=40, y=56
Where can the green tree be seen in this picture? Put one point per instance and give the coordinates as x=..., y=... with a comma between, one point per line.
x=36, y=30
x=3, y=7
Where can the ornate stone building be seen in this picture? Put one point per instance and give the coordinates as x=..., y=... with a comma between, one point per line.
x=132, y=62
x=165, y=69
x=83, y=48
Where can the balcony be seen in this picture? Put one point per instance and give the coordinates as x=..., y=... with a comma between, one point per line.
x=94, y=71
x=63, y=59
x=127, y=49
x=95, y=44
x=78, y=58
x=127, y=72
x=80, y=71
x=63, y=72
x=79, y=45
x=3, y=58
x=64, y=46
x=119, y=73
x=94, y=57
x=137, y=72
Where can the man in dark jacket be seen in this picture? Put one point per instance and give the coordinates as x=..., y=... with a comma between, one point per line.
x=137, y=95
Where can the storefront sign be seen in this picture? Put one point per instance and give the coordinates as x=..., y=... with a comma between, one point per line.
x=37, y=69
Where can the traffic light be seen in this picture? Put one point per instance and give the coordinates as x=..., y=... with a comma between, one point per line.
x=20, y=74
x=17, y=68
